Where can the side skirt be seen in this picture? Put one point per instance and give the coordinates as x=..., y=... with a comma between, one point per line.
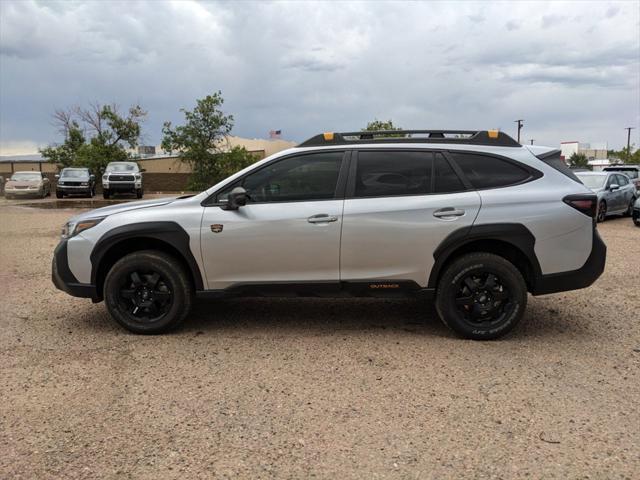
x=379, y=289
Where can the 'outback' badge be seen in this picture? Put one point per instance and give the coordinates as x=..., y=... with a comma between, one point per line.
x=217, y=227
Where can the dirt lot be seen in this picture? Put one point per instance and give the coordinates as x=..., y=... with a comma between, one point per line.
x=267, y=388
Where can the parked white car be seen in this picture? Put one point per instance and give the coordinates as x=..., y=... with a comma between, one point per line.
x=473, y=220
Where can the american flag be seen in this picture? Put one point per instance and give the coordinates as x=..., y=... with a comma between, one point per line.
x=275, y=133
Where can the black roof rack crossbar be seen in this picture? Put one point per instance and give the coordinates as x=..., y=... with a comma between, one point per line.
x=467, y=137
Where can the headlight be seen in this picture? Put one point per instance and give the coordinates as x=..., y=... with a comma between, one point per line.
x=33, y=187
x=138, y=176
x=60, y=183
x=105, y=177
x=84, y=184
x=71, y=229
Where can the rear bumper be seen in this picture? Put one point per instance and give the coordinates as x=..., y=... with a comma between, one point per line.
x=576, y=279
x=64, y=279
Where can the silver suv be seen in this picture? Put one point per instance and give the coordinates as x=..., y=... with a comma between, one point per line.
x=472, y=220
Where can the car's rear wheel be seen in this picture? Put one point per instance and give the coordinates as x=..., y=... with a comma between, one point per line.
x=602, y=211
x=629, y=209
x=481, y=296
x=148, y=292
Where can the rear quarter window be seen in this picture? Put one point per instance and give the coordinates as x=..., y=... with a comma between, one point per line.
x=484, y=171
x=554, y=160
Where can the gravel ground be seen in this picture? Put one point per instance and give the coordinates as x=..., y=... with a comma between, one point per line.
x=270, y=388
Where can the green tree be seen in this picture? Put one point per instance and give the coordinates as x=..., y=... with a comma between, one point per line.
x=625, y=155
x=201, y=142
x=579, y=160
x=380, y=125
x=95, y=136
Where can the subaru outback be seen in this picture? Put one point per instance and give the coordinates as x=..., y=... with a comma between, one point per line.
x=469, y=219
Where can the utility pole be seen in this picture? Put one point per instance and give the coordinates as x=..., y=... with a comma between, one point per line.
x=519, y=122
x=628, y=129
x=531, y=140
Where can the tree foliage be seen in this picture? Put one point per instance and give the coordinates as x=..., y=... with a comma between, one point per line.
x=201, y=142
x=625, y=155
x=94, y=136
x=377, y=125
x=579, y=160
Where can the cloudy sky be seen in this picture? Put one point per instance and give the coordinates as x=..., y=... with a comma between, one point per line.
x=571, y=70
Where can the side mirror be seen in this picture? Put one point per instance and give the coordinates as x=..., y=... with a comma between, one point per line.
x=237, y=198
x=57, y=175
x=142, y=170
x=614, y=186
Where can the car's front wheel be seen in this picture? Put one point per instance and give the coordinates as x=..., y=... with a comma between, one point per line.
x=138, y=192
x=148, y=292
x=481, y=296
x=59, y=194
x=105, y=194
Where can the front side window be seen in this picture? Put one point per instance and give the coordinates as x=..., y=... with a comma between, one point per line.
x=302, y=178
x=622, y=180
x=393, y=173
x=489, y=172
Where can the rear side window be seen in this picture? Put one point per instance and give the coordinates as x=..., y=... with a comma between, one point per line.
x=445, y=178
x=622, y=180
x=391, y=173
x=489, y=172
x=554, y=161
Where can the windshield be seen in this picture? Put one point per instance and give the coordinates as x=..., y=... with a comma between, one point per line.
x=122, y=167
x=592, y=181
x=629, y=172
x=74, y=173
x=26, y=177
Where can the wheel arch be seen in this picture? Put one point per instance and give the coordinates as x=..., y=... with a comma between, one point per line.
x=166, y=237
x=511, y=241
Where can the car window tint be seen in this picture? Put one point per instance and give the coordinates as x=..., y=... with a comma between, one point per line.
x=445, y=178
x=305, y=177
x=489, y=172
x=393, y=173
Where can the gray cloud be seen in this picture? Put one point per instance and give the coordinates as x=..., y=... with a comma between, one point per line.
x=308, y=67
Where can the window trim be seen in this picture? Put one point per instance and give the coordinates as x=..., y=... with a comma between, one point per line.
x=350, y=193
x=338, y=194
x=534, y=174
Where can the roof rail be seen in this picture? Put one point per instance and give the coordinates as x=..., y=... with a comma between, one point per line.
x=466, y=137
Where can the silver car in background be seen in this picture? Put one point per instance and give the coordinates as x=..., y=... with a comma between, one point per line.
x=616, y=193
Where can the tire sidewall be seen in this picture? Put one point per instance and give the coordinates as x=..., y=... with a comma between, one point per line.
x=480, y=263
x=172, y=273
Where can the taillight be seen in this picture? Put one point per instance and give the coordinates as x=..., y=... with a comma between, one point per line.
x=587, y=204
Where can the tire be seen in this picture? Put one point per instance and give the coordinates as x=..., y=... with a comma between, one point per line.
x=59, y=194
x=105, y=194
x=148, y=292
x=629, y=210
x=139, y=192
x=476, y=283
x=602, y=211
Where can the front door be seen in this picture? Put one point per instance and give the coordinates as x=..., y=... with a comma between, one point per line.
x=400, y=206
x=289, y=230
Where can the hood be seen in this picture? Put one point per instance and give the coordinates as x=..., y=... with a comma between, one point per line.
x=123, y=207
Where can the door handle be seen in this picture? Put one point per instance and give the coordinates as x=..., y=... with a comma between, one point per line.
x=322, y=218
x=448, y=212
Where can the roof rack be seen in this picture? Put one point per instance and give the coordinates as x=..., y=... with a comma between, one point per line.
x=466, y=137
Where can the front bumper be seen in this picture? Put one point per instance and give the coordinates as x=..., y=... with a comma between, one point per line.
x=63, y=278
x=121, y=186
x=576, y=279
x=23, y=192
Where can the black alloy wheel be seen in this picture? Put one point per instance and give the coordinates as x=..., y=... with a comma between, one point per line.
x=148, y=292
x=602, y=211
x=481, y=296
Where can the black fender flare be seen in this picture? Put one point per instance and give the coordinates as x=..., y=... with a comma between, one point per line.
x=514, y=234
x=170, y=233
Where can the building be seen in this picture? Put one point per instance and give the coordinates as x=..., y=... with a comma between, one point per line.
x=164, y=171
x=596, y=151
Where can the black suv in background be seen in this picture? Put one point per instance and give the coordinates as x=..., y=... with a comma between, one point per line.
x=75, y=181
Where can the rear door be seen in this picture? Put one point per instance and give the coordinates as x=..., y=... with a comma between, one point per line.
x=400, y=205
